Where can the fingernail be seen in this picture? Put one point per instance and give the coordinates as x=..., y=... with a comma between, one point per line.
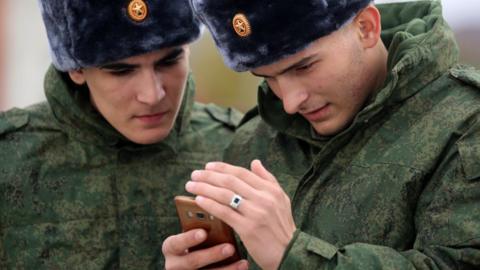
x=200, y=235
x=189, y=186
x=227, y=250
x=199, y=199
x=210, y=165
x=195, y=174
x=256, y=161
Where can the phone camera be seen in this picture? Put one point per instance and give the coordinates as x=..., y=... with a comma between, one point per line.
x=200, y=215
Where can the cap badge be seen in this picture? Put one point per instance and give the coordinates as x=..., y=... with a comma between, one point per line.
x=137, y=10
x=241, y=25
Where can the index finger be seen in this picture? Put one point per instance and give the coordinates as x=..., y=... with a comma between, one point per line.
x=178, y=244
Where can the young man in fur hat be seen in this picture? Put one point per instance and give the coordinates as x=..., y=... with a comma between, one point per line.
x=87, y=179
x=372, y=153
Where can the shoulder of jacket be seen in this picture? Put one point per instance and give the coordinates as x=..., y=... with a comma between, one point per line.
x=13, y=120
x=252, y=140
x=16, y=119
x=228, y=116
x=466, y=74
x=252, y=127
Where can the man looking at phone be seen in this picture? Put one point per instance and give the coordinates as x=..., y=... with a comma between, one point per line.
x=87, y=179
x=372, y=153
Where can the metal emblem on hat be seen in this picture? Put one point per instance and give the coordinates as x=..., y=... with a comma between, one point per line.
x=241, y=25
x=137, y=10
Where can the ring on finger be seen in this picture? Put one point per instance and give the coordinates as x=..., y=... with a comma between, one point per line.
x=235, y=201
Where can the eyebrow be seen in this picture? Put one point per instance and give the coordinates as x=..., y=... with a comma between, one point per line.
x=175, y=53
x=298, y=64
x=170, y=56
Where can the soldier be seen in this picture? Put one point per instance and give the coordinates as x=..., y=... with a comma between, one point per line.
x=372, y=153
x=87, y=179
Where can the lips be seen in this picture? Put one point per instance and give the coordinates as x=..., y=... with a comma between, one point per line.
x=151, y=118
x=318, y=114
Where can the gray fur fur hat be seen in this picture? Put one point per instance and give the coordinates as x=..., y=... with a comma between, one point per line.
x=84, y=33
x=254, y=33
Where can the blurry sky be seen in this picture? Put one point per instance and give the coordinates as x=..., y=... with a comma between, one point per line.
x=27, y=56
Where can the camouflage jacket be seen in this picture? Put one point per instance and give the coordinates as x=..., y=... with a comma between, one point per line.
x=75, y=194
x=400, y=187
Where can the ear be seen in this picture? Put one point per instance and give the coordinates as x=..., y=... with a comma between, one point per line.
x=77, y=76
x=369, y=26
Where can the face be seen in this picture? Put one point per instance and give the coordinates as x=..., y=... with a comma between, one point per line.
x=327, y=83
x=139, y=96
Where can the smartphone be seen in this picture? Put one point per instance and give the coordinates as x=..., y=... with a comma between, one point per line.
x=193, y=217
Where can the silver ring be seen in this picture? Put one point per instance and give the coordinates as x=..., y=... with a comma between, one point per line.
x=235, y=202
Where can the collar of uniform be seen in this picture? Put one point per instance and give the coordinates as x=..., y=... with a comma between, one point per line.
x=421, y=48
x=73, y=111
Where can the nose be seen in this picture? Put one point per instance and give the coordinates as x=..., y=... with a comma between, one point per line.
x=151, y=88
x=293, y=95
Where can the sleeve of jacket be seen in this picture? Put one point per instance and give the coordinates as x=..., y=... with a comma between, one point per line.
x=10, y=121
x=447, y=221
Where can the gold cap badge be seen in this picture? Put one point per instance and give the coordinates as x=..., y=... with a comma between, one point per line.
x=137, y=10
x=241, y=25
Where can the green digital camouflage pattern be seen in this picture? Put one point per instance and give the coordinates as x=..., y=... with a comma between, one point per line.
x=398, y=189
x=74, y=194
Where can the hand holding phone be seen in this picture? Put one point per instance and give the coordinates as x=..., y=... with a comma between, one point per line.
x=193, y=217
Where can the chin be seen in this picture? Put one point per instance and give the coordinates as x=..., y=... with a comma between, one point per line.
x=328, y=130
x=146, y=138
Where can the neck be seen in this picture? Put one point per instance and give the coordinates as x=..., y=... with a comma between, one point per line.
x=380, y=62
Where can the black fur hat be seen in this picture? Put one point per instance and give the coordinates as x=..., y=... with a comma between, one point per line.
x=252, y=33
x=85, y=33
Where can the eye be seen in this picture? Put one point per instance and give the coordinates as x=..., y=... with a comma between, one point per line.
x=171, y=62
x=120, y=72
x=305, y=67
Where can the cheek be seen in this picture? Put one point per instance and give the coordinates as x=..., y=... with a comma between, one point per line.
x=175, y=84
x=110, y=98
x=175, y=94
x=348, y=83
x=121, y=97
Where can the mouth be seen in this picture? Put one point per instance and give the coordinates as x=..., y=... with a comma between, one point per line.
x=318, y=114
x=151, y=118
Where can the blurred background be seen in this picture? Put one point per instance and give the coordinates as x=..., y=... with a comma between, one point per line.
x=24, y=56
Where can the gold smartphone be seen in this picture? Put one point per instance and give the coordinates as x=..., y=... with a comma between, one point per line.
x=193, y=217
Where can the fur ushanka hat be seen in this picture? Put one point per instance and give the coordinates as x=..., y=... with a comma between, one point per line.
x=85, y=33
x=253, y=33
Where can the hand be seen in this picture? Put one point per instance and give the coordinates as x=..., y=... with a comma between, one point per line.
x=263, y=219
x=175, y=247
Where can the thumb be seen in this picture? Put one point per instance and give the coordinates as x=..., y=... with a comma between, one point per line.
x=257, y=168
